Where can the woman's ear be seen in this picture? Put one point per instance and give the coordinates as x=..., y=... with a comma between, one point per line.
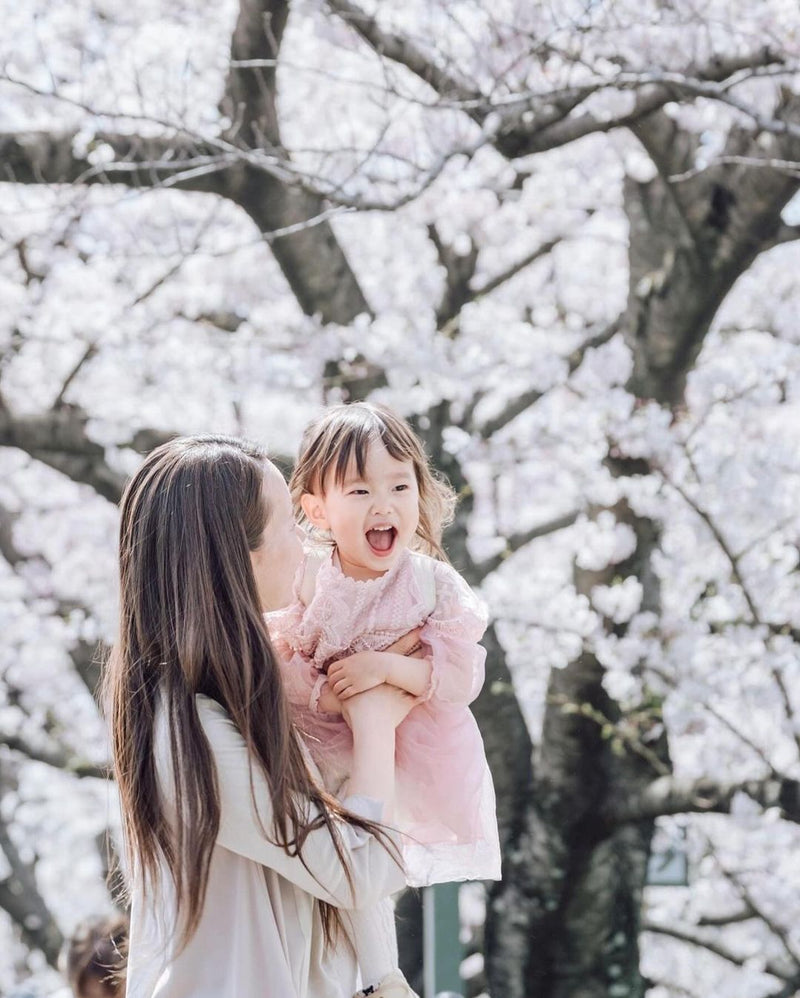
x=314, y=509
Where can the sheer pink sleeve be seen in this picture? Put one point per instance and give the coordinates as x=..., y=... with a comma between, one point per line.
x=303, y=682
x=452, y=633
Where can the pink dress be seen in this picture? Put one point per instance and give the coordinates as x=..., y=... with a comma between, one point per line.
x=445, y=803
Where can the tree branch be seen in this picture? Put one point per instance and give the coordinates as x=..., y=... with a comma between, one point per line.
x=524, y=401
x=713, y=946
x=516, y=541
x=58, y=438
x=718, y=921
x=406, y=53
x=51, y=158
x=785, y=234
x=20, y=898
x=673, y=795
x=84, y=654
x=52, y=754
x=549, y=126
x=738, y=577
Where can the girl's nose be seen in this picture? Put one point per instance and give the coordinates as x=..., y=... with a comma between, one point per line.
x=381, y=504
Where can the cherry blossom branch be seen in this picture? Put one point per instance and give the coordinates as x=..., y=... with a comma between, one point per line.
x=493, y=283
x=516, y=541
x=536, y=122
x=405, y=52
x=524, y=401
x=746, y=895
x=732, y=728
x=21, y=900
x=163, y=162
x=718, y=921
x=84, y=654
x=59, y=438
x=739, y=579
x=668, y=795
x=713, y=946
x=53, y=754
x=790, y=166
x=786, y=233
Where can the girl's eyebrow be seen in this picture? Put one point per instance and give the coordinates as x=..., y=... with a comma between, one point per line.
x=393, y=476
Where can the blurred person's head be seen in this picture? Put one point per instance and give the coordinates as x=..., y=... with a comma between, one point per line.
x=95, y=958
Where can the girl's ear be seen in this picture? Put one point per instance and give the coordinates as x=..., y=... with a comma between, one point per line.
x=314, y=509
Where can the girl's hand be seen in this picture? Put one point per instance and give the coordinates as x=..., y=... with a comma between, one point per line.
x=379, y=709
x=356, y=674
x=367, y=669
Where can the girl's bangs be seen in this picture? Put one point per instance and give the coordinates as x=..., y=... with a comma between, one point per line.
x=351, y=446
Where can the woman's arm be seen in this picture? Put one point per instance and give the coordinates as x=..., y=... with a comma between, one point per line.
x=375, y=873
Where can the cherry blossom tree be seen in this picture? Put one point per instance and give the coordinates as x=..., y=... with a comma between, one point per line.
x=561, y=239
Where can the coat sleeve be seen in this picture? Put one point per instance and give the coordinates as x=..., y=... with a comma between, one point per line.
x=375, y=874
x=451, y=634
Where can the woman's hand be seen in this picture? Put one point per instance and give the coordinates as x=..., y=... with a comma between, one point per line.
x=381, y=708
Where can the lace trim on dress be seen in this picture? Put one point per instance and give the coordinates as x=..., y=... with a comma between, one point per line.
x=331, y=566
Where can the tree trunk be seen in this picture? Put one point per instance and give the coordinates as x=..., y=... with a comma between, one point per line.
x=565, y=921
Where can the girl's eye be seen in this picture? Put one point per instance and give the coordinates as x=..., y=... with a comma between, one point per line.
x=358, y=492
x=402, y=488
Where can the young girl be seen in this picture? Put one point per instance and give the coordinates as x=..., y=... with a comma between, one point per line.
x=362, y=479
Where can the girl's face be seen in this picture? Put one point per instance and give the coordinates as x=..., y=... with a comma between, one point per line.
x=372, y=517
x=277, y=558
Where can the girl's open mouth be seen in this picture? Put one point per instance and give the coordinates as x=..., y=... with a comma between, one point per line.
x=381, y=540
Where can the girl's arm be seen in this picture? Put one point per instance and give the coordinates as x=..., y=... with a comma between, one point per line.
x=371, y=718
x=450, y=638
x=449, y=669
x=375, y=873
x=400, y=665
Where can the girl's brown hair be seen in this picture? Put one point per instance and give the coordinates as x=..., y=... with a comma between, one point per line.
x=190, y=622
x=343, y=434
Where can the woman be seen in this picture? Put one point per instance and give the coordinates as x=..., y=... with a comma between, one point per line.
x=240, y=864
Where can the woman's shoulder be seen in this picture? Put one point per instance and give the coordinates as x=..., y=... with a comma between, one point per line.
x=208, y=705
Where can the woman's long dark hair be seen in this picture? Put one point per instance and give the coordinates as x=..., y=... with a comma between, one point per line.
x=190, y=622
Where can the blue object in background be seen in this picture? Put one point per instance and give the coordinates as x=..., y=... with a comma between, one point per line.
x=441, y=945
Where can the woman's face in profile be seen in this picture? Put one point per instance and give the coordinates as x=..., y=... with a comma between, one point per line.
x=276, y=560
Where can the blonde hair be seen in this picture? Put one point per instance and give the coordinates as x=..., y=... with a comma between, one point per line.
x=343, y=434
